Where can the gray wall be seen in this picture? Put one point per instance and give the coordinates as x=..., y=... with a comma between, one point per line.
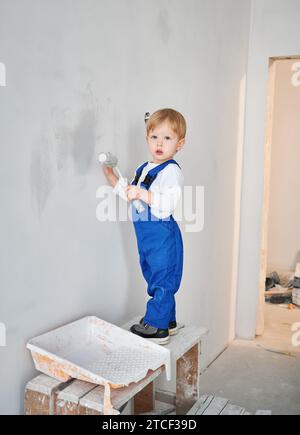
x=275, y=31
x=80, y=75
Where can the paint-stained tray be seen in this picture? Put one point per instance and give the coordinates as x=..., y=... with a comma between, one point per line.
x=93, y=350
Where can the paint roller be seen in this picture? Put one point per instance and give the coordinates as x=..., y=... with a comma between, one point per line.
x=111, y=161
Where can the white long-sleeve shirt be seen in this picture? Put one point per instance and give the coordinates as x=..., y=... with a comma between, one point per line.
x=166, y=188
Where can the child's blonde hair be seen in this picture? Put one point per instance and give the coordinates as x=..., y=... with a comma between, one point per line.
x=177, y=121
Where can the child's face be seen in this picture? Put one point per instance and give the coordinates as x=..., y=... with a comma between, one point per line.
x=163, y=142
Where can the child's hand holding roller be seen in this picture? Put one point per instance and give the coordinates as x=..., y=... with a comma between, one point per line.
x=134, y=192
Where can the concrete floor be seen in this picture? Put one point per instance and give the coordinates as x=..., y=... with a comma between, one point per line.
x=260, y=374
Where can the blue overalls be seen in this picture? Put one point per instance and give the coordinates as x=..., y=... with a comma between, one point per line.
x=160, y=249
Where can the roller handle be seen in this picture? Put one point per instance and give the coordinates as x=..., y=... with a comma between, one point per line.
x=111, y=161
x=136, y=202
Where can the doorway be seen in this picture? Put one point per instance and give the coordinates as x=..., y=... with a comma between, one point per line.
x=280, y=235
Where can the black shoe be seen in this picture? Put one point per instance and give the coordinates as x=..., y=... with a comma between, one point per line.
x=159, y=336
x=172, y=326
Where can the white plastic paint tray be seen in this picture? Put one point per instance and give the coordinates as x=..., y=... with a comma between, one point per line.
x=96, y=351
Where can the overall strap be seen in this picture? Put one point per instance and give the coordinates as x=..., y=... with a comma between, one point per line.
x=139, y=173
x=150, y=177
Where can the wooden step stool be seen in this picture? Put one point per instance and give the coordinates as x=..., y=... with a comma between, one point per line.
x=47, y=396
